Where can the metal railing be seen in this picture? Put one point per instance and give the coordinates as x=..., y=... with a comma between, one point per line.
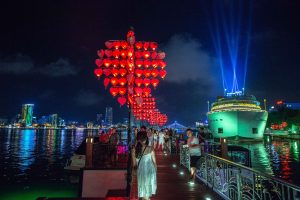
x=234, y=181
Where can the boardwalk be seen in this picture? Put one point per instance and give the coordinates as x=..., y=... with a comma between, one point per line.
x=173, y=185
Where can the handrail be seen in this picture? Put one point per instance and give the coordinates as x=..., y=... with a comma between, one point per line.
x=234, y=181
x=255, y=171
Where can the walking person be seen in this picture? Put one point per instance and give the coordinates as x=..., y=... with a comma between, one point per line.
x=144, y=161
x=161, y=140
x=195, y=152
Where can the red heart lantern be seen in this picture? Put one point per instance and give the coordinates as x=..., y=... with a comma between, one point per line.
x=147, y=63
x=162, y=73
x=139, y=63
x=146, y=45
x=130, y=52
x=138, y=72
x=138, y=45
x=122, y=81
x=100, y=53
x=147, y=81
x=114, y=81
x=154, y=73
x=115, y=72
x=162, y=64
x=115, y=63
x=153, y=46
x=154, y=55
x=122, y=90
x=147, y=91
x=138, y=91
x=123, y=63
x=146, y=54
x=114, y=91
x=154, y=82
x=116, y=53
x=121, y=100
x=122, y=72
x=138, y=54
x=99, y=62
x=124, y=44
x=106, y=82
x=116, y=44
x=154, y=63
x=109, y=44
x=107, y=72
x=98, y=72
x=107, y=62
x=161, y=55
x=138, y=82
x=108, y=53
x=123, y=53
x=147, y=73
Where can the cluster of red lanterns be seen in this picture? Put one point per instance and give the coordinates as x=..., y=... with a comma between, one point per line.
x=144, y=108
x=279, y=126
x=131, y=68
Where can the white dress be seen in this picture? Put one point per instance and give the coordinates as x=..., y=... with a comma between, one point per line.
x=161, y=139
x=146, y=175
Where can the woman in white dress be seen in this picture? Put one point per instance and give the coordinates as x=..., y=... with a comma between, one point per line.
x=161, y=140
x=144, y=161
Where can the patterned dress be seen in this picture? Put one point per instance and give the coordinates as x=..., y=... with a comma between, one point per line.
x=146, y=175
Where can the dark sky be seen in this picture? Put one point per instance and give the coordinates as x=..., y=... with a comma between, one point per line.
x=48, y=48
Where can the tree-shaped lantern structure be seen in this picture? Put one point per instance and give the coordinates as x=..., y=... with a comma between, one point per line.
x=131, y=68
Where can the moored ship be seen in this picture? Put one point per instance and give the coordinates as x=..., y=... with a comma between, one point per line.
x=237, y=116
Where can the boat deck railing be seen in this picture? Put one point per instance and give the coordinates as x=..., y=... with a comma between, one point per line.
x=234, y=181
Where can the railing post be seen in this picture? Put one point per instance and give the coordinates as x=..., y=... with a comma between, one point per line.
x=89, y=152
x=238, y=184
x=224, y=148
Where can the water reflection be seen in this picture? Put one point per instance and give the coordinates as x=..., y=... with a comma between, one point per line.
x=276, y=157
x=32, y=156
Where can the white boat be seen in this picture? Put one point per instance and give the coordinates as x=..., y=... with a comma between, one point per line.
x=236, y=117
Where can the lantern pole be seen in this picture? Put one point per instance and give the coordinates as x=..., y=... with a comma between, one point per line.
x=131, y=41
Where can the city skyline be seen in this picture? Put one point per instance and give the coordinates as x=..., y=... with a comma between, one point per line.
x=48, y=52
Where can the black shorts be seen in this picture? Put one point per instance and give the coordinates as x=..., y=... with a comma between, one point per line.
x=194, y=160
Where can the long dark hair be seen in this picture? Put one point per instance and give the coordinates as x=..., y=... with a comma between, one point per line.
x=142, y=137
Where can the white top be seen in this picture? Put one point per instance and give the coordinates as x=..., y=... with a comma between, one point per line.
x=194, y=151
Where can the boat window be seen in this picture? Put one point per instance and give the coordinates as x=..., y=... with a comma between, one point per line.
x=220, y=130
x=254, y=130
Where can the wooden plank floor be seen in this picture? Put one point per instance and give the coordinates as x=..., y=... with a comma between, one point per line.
x=172, y=185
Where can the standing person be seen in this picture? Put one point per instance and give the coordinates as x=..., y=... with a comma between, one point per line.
x=113, y=142
x=161, y=140
x=144, y=161
x=195, y=152
x=150, y=137
x=180, y=141
x=155, y=139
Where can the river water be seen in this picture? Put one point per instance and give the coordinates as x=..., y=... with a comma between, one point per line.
x=32, y=161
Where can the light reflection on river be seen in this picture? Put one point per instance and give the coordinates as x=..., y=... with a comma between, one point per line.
x=36, y=157
x=277, y=157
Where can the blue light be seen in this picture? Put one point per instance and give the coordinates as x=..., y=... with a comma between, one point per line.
x=230, y=30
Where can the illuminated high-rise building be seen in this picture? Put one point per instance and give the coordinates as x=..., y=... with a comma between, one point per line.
x=27, y=112
x=108, y=116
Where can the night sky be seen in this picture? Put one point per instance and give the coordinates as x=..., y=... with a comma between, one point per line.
x=48, y=49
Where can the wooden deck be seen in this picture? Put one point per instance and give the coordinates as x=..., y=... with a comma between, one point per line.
x=173, y=185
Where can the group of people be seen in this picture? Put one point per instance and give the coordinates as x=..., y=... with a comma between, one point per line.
x=158, y=139
x=144, y=161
